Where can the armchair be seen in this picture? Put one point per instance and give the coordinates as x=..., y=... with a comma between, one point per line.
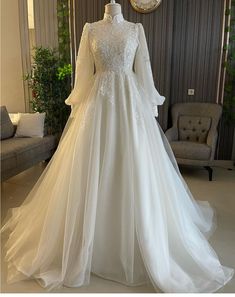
x=193, y=136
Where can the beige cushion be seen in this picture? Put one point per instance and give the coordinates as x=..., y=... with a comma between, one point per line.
x=193, y=128
x=191, y=150
x=30, y=125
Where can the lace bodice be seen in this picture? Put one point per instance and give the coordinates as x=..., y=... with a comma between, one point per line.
x=113, y=45
x=116, y=45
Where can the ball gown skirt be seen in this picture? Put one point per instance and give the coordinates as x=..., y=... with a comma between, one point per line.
x=112, y=201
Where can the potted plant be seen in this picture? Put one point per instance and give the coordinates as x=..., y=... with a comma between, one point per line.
x=49, y=81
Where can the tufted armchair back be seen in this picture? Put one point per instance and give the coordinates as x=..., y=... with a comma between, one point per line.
x=193, y=128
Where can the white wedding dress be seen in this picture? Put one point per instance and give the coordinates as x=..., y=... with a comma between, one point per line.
x=111, y=201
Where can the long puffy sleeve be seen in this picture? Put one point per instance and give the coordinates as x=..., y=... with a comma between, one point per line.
x=142, y=68
x=84, y=71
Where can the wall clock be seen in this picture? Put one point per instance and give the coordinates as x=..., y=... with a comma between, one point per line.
x=145, y=6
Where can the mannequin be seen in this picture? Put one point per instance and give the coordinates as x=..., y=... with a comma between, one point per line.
x=113, y=8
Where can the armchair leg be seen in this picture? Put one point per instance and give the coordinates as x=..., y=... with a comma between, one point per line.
x=210, y=172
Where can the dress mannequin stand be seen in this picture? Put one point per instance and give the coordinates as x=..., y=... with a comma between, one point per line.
x=113, y=8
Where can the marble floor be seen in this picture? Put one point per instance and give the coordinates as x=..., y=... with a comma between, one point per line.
x=220, y=193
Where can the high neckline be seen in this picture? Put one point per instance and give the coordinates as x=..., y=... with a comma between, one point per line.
x=117, y=18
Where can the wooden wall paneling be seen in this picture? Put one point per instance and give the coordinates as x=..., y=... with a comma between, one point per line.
x=225, y=141
x=196, y=50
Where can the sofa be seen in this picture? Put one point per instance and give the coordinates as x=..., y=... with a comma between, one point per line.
x=20, y=153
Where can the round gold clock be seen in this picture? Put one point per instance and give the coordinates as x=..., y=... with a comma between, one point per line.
x=145, y=6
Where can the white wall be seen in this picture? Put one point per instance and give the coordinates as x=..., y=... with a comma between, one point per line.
x=12, y=91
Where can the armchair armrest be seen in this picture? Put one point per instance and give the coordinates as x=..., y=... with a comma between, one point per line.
x=172, y=134
x=211, y=141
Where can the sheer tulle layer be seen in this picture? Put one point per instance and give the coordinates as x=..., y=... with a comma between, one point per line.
x=112, y=201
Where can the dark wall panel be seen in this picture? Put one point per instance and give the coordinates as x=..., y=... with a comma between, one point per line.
x=184, y=39
x=197, y=42
x=196, y=50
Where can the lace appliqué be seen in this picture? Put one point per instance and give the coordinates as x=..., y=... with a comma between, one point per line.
x=105, y=88
x=113, y=45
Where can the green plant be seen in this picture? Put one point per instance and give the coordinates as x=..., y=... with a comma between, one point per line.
x=49, y=81
x=229, y=87
x=50, y=76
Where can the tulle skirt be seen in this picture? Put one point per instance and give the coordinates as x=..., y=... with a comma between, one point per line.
x=112, y=201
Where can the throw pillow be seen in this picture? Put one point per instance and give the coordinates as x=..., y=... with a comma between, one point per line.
x=30, y=125
x=7, y=128
x=14, y=118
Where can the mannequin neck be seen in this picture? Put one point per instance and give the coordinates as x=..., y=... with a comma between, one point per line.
x=113, y=9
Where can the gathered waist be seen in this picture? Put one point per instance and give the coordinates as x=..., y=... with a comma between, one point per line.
x=114, y=71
